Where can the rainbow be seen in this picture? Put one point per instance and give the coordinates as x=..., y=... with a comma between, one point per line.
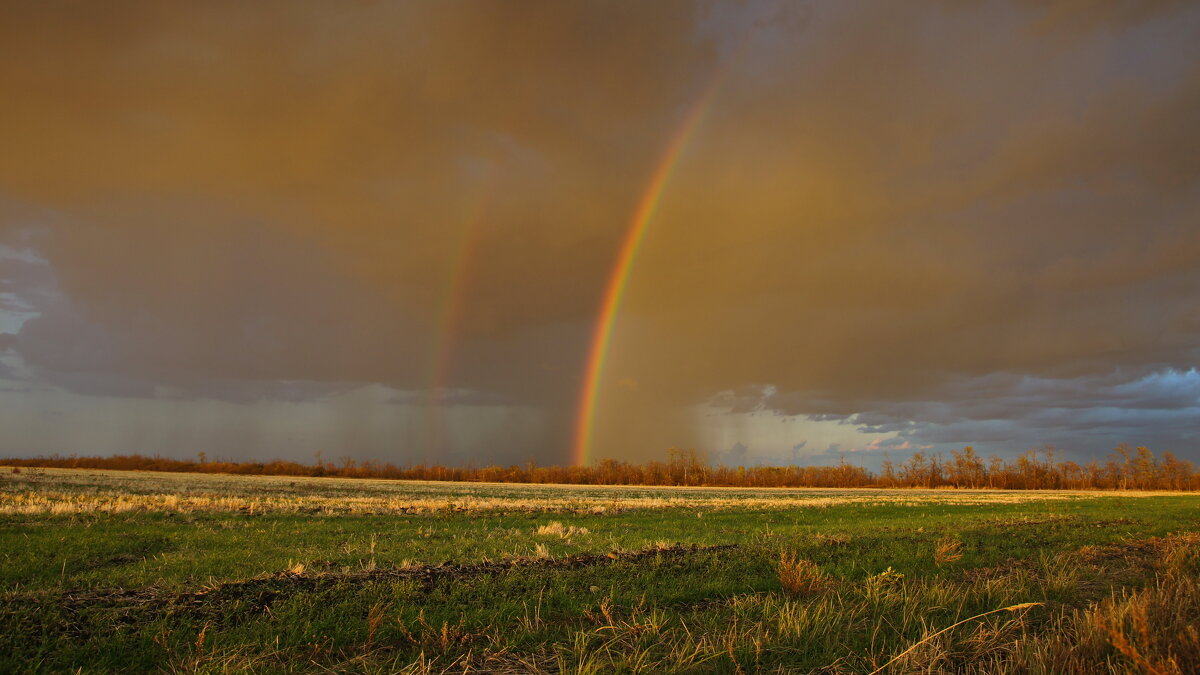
x=618, y=281
x=451, y=313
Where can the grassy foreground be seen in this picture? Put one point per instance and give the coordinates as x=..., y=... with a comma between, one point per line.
x=109, y=571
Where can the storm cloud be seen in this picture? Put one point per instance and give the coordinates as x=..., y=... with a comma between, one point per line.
x=939, y=224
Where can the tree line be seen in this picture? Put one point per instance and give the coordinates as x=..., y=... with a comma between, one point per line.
x=1038, y=469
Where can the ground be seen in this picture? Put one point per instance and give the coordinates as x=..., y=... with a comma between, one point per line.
x=107, y=571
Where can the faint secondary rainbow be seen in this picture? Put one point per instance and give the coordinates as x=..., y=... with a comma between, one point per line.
x=619, y=279
x=450, y=317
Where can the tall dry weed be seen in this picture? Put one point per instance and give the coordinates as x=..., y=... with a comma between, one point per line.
x=374, y=617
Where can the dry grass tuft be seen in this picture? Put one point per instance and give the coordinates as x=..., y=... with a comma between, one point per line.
x=441, y=639
x=947, y=550
x=799, y=576
x=557, y=529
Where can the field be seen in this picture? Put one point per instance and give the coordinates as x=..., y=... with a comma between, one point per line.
x=107, y=571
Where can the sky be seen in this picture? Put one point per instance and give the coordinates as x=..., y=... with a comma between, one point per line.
x=496, y=232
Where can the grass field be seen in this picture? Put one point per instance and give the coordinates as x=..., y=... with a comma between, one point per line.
x=105, y=571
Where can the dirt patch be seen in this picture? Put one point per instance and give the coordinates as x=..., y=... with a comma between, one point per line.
x=242, y=599
x=1007, y=568
x=1059, y=519
x=1137, y=558
x=1027, y=521
x=1140, y=555
x=1114, y=521
x=113, y=561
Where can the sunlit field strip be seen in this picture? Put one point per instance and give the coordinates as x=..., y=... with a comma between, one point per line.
x=72, y=491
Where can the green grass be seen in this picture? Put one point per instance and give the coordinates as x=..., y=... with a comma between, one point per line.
x=209, y=591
